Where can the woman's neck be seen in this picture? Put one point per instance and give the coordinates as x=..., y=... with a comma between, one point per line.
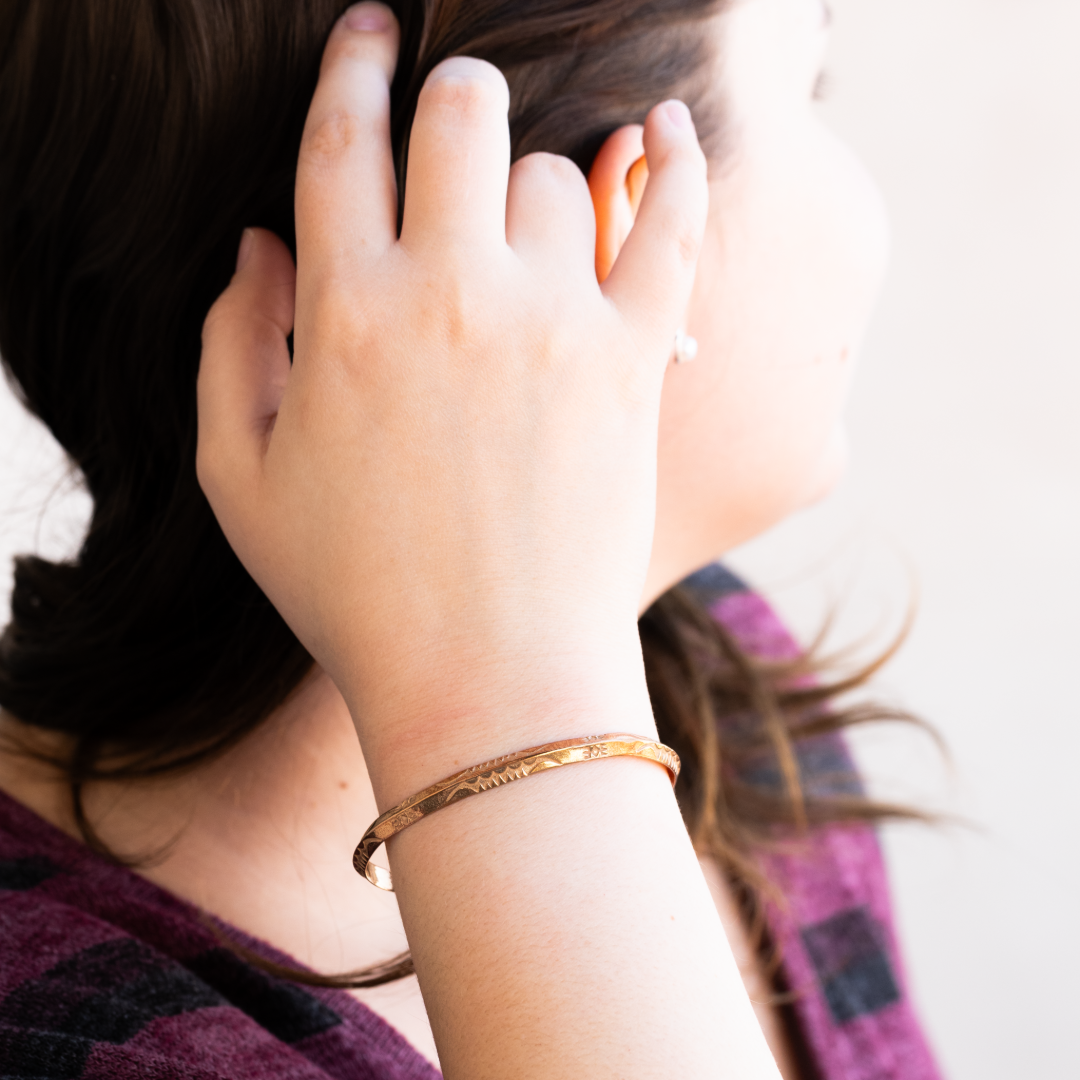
x=261, y=837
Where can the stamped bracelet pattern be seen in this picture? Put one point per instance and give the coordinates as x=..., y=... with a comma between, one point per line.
x=495, y=773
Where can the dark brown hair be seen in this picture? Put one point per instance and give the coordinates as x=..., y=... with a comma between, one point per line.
x=137, y=139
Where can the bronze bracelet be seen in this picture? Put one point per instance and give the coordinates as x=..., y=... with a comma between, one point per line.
x=495, y=773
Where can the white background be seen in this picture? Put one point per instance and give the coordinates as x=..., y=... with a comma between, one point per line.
x=965, y=484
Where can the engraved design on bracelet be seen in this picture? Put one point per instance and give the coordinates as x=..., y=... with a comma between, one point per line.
x=496, y=773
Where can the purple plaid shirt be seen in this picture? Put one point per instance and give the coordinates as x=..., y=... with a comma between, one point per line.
x=834, y=930
x=104, y=976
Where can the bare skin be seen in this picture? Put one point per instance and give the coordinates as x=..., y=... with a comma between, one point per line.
x=745, y=435
x=288, y=834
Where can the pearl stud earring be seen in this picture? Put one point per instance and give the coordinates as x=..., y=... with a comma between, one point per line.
x=685, y=347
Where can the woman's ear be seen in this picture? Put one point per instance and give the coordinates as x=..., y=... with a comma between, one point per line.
x=616, y=182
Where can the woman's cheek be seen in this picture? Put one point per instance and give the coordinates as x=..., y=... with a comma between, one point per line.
x=793, y=259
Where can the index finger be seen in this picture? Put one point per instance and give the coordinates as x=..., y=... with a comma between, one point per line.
x=652, y=277
x=346, y=193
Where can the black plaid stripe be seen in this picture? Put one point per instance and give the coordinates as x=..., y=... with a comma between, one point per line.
x=825, y=769
x=42, y=1055
x=109, y=992
x=106, y=993
x=851, y=964
x=18, y=875
x=713, y=582
x=288, y=1012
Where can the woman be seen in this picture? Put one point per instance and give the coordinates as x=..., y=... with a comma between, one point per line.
x=459, y=468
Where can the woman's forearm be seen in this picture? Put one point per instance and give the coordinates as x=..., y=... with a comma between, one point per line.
x=561, y=927
x=448, y=488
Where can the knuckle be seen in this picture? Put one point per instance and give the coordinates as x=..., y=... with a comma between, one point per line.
x=448, y=311
x=216, y=321
x=330, y=308
x=330, y=137
x=265, y=335
x=452, y=306
x=364, y=49
x=465, y=95
x=688, y=242
x=542, y=169
x=685, y=233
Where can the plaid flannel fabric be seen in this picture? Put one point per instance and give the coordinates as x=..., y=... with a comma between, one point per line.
x=103, y=976
x=834, y=929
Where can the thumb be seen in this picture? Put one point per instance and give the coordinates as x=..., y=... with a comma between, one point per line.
x=244, y=369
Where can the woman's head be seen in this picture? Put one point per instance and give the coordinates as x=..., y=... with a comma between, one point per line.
x=139, y=140
x=792, y=262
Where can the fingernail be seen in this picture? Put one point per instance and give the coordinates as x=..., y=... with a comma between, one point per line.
x=368, y=18
x=247, y=245
x=679, y=115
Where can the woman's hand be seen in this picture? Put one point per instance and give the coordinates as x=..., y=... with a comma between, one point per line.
x=449, y=496
x=449, y=493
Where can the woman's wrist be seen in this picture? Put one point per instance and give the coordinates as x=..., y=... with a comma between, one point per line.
x=461, y=713
x=577, y=889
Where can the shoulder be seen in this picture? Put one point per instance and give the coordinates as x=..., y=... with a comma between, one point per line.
x=76, y=991
x=103, y=974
